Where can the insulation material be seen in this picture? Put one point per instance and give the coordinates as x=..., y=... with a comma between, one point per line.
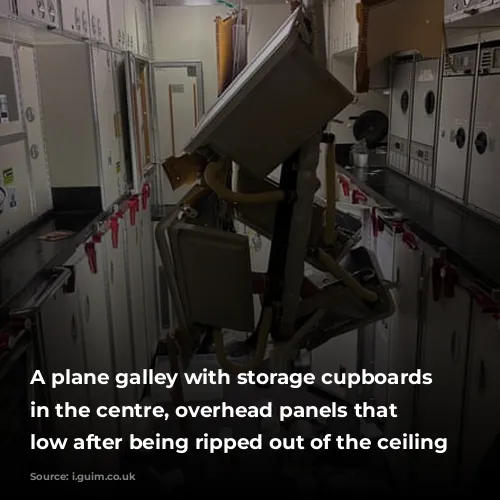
x=412, y=26
x=231, y=39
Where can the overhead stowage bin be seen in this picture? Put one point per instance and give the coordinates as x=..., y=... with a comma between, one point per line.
x=282, y=98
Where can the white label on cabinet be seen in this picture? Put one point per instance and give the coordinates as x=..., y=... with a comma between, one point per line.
x=4, y=109
x=426, y=75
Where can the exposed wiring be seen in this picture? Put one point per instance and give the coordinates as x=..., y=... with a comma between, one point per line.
x=212, y=178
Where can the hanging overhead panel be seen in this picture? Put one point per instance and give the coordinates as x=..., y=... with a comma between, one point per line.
x=276, y=103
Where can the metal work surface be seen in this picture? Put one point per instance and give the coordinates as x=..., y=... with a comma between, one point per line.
x=25, y=258
x=473, y=242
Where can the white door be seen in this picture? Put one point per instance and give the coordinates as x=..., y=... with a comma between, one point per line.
x=64, y=350
x=136, y=287
x=178, y=112
x=75, y=17
x=99, y=20
x=106, y=111
x=32, y=111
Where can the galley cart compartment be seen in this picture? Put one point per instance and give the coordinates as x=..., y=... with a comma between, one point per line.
x=136, y=287
x=99, y=21
x=425, y=106
x=454, y=123
x=444, y=355
x=401, y=108
x=75, y=17
x=484, y=180
x=139, y=119
x=482, y=405
x=403, y=347
x=40, y=11
x=15, y=194
x=82, y=135
x=32, y=110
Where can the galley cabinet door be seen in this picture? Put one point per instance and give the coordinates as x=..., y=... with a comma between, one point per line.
x=148, y=271
x=139, y=118
x=482, y=407
x=99, y=20
x=10, y=107
x=117, y=23
x=485, y=170
x=106, y=110
x=5, y=7
x=121, y=319
x=454, y=135
x=444, y=356
x=30, y=98
x=136, y=290
x=403, y=348
x=75, y=17
x=401, y=98
x=63, y=349
x=15, y=190
x=385, y=253
x=42, y=11
x=122, y=143
x=90, y=285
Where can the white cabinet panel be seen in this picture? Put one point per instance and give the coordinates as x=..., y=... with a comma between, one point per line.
x=482, y=410
x=131, y=39
x=36, y=145
x=15, y=198
x=118, y=297
x=75, y=17
x=403, y=344
x=142, y=28
x=117, y=23
x=99, y=20
x=10, y=108
x=136, y=287
x=63, y=348
x=444, y=355
x=43, y=11
x=148, y=271
x=5, y=7
x=106, y=112
x=90, y=284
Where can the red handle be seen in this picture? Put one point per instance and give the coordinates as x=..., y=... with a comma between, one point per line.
x=358, y=196
x=345, y=186
x=115, y=226
x=486, y=303
x=91, y=256
x=146, y=193
x=133, y=205
x=410, y=240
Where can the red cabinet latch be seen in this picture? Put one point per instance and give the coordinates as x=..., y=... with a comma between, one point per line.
x=146, y=194
x=345, y=186
x=91, y=256
x=114, y=225
x=410, y=240
x=358, y=197
x=133, y=205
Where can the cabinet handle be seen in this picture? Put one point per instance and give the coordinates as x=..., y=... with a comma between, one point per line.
x=34, y=151
x=94, y=25
x=74, y=331
x=52, y=11
x=87, y=309
x=111, y=273
x=78, y=22
x=481, y=385
x=41, y=8
x=455, y=347
x=84, y=21
x=30, y=114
